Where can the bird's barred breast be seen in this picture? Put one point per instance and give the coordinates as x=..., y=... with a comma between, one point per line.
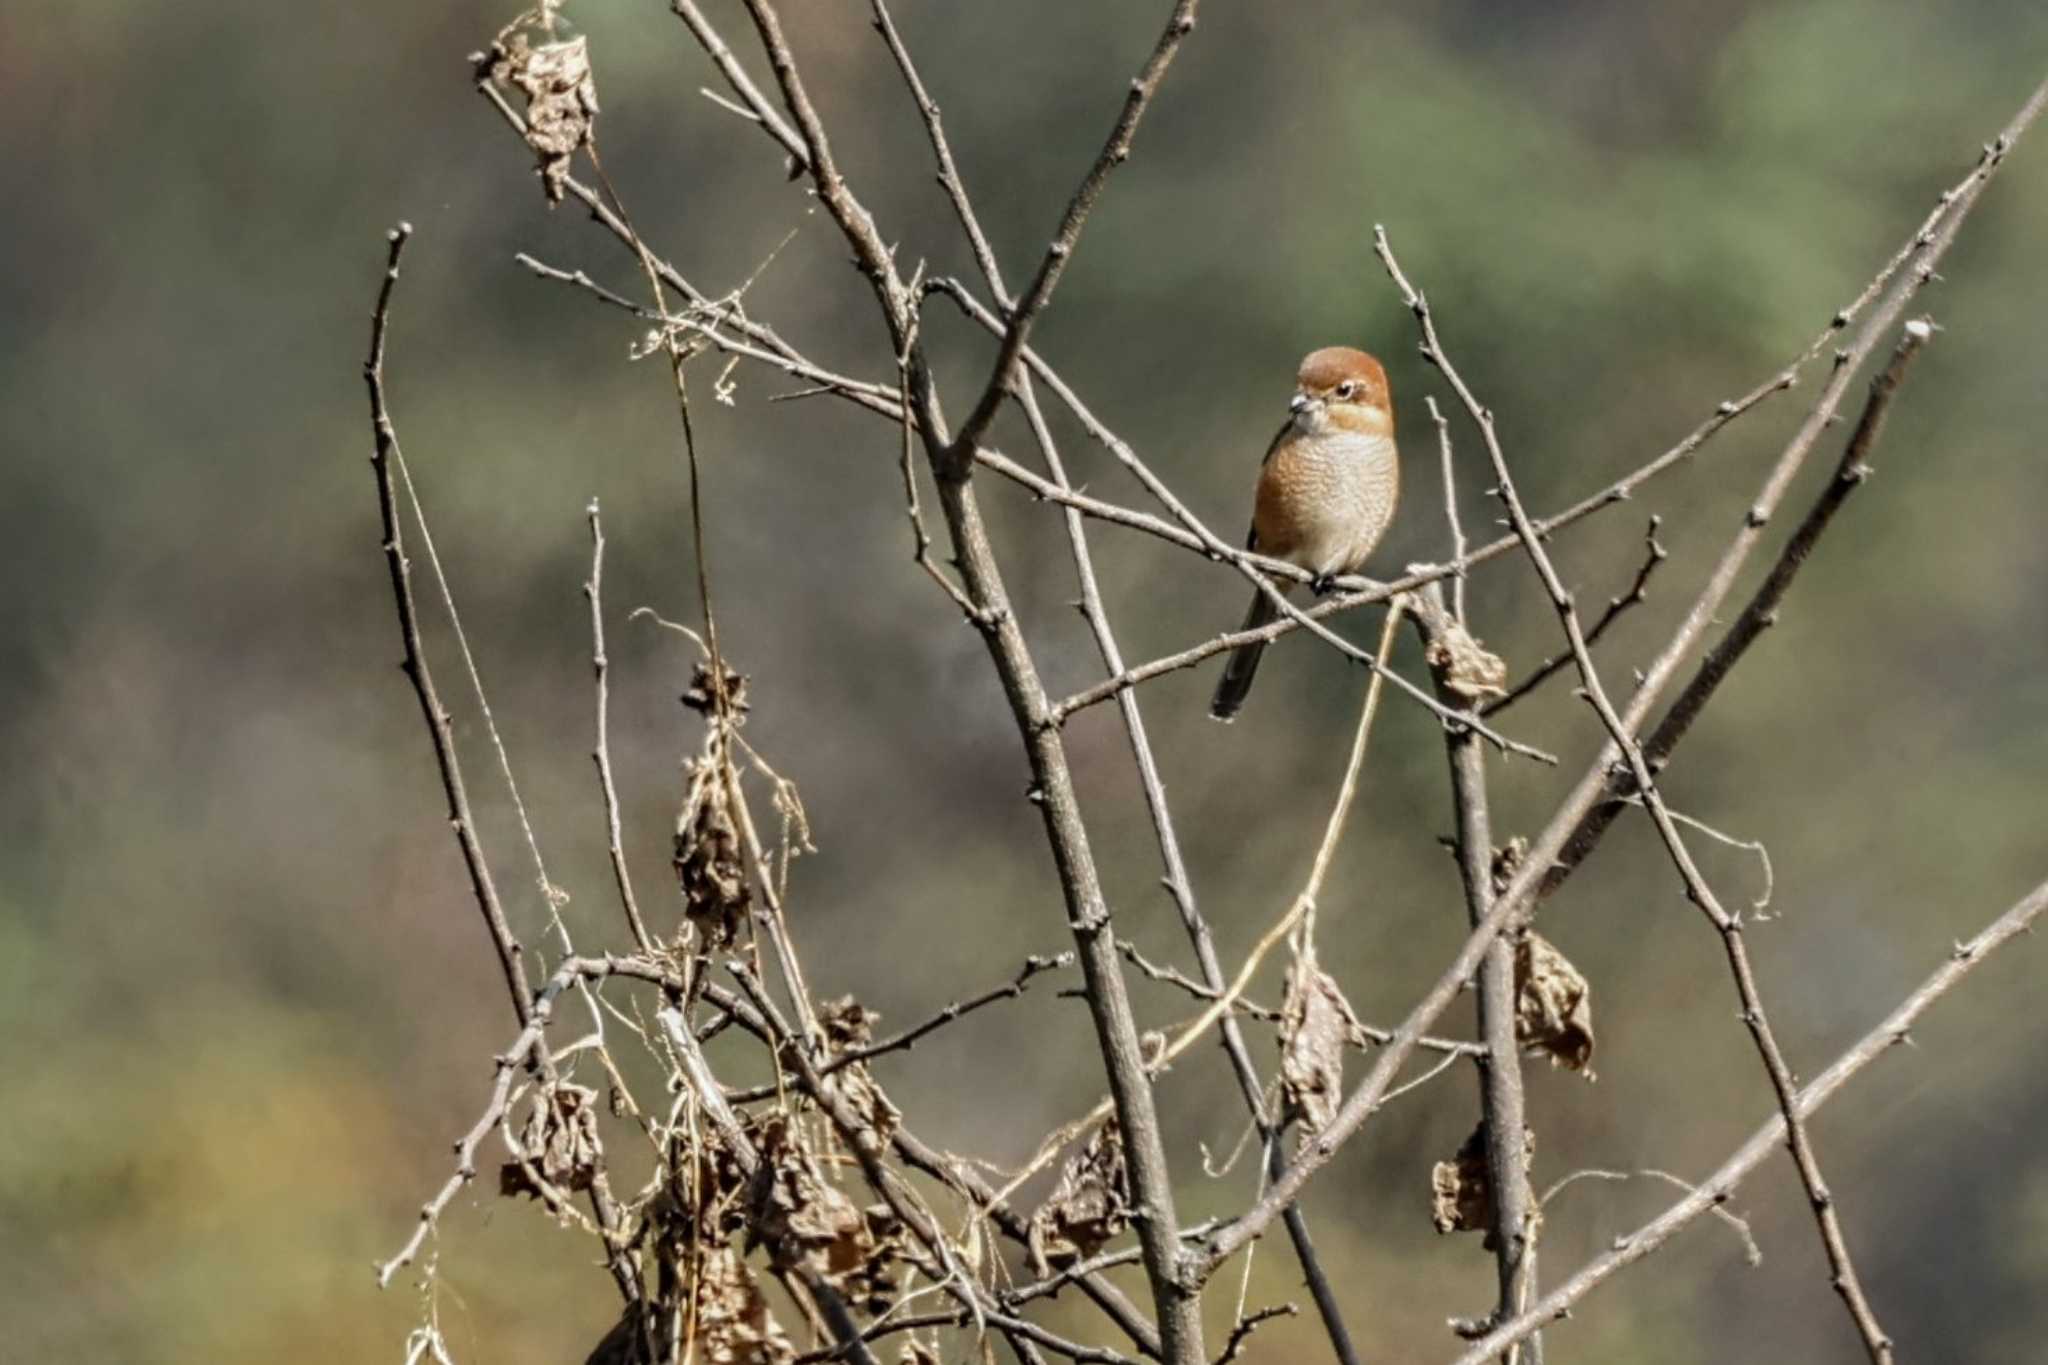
x=1324, y=501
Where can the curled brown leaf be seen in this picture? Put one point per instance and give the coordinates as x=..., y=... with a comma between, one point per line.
x=561, y=100
x=1461, y=1189
x=804, y=1219
x=734, y=1326
x=1316, y=1024
x=1090, y=1205
x=710, y=866
x=1553, y=1005
x=558, y=1143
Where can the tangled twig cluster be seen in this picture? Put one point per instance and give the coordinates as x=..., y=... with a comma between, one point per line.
x=813, y=1181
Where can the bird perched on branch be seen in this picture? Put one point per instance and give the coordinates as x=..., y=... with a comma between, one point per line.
x=1326, y=490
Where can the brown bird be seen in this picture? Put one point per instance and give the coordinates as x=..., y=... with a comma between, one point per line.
x=1326, y=490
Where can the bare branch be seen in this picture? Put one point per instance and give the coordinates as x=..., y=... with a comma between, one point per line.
x=1443, y=446
x=754, y=104
x=602, y=754
x=511, y=954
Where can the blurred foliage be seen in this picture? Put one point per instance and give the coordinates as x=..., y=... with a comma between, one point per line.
x=250, y=1000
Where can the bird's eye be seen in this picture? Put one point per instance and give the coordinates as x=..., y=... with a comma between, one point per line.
x=1346, y=390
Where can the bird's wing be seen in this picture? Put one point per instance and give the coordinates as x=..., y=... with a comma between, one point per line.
x=1251, y=537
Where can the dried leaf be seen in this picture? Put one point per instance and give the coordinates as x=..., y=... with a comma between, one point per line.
x=1553, y=1005
x=560, y=1143
x=1315, y=1025
x=805, y=1219
x=708, y=861
x=849, y=1025
x=734, y=1326
x=1461, y=1189
x=1464, y=666
x=561, y=100
x=1090, y=1205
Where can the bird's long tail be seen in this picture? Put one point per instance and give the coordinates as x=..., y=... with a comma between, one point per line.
x=1243, y=666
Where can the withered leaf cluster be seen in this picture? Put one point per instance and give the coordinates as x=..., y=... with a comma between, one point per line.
x=1461, y=1189
x=734, y=1326
x=561, y=100
x=1316, y=1025
x=849, y=1025
x=1553, y=1005
x=710, y=866
x=805, y=1220
x=560, y=1144
x=1090, y=1205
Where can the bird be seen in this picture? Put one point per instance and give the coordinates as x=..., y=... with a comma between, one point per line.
x=1326, y=490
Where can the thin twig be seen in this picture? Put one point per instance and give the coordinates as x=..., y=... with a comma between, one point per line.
x=1242, y=1330
x=1654, y=554
x=1443, y=445
x=697, y=1071
x=601, y=755
x=539, y=1015
x=755, y=104
x=1750, y=1250
x=1038, y=293
x=1760, y=613
x=908, y=1038
x=511, y=959
x=1300, y=914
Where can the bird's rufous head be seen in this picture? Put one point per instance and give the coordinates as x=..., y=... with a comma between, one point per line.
x=1342, y=388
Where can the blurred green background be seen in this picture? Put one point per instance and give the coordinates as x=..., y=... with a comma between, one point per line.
x=247, y=996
